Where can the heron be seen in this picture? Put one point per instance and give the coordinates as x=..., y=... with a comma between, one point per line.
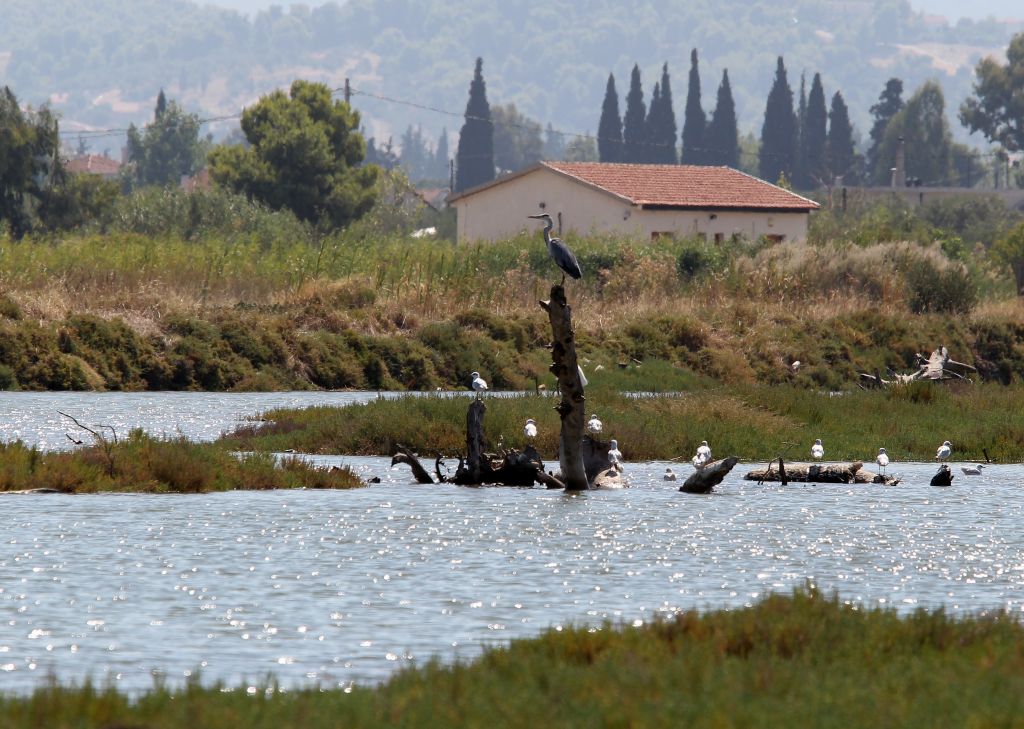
x=559, y=251
x=669, y=475
x=882, y=459
x=817, y=450
x=479, y=383
x=594, y=426
x=944, y=451
x=972, y=470
x=530, y=429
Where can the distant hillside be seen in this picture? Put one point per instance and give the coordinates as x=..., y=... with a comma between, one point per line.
x=101, y=63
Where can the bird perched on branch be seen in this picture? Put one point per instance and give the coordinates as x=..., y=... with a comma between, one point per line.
x=558, y=250
x=530, y=429
x=479, y=383
x=944, y=451
x=614, y=454
x=817, y=450
x=704, y=451
x=594, y=426
x=882, y=459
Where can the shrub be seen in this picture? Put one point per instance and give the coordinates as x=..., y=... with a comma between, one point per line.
x=933, y=290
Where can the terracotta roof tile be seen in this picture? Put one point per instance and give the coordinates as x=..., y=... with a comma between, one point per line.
x=683, y=186
x=95, y=164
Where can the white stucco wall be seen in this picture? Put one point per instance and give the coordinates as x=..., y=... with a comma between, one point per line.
x=500, y=212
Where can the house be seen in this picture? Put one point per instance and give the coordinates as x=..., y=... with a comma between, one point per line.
x=94, y=164
x=717, y=203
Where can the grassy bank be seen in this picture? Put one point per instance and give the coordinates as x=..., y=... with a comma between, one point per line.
x=753, y=422
x=800, y=660
x=142, y=463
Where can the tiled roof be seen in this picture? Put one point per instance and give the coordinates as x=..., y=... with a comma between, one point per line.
x=95, y=164
x=683, y=186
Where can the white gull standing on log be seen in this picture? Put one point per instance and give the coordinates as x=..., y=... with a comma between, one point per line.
x=817, y=450
x=479, y=383
x=704, y=451
x=530, y=429
x=882, y=459
x=615, y=455
x=594, y=426
x=944, y=451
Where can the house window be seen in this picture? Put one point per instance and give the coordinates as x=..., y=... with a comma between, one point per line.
x=719, y=237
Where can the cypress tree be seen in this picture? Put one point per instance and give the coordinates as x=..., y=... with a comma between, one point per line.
x=609, y=128
x=800, y=166
x=779, y=131
x=890, y=103
x=474, y=158
x=664, y=151
x=652, y=128
x=694, y=120
x=841, y=155
x=721, y=137
x=633, y=132
x=161, y=105
x=813, y=138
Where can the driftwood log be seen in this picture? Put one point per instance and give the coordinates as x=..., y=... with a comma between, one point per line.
x=820, y=473
x=703, y=480
x=571, y=407
x=944, y=476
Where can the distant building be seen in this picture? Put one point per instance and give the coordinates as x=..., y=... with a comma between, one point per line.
x=649, y=201
x=94, y=164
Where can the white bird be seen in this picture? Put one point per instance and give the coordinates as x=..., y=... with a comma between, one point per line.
x=614, y=454
x=583, y=377
x=594, y=426
x=704, y=451
x=944, y=450
x=669, y=475
x=479, y=383
x=699, y=461
x=972, y=470
x=817, y=450
x=882, y=460
x=796, y=365
x=530, y=429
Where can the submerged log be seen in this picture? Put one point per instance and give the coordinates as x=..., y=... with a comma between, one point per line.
x=822, y=473
x=571, y=407
x=404, y=455
x=704, y=479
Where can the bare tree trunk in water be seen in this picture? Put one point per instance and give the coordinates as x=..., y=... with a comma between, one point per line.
x=571, y=409
x=475, y=440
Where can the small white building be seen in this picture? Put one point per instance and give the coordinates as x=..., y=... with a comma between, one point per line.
x=648, y=201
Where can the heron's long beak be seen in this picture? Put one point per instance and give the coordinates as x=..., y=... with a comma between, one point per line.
x=535, y=216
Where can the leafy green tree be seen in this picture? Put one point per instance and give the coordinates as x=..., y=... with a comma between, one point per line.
x=924, y=129
x=168, y=148
x=721, y=138
x=694, y=120
x=415, y=156
x=474, y=159
x=581, y=149
x=997, y=107
x=609, y=128
x=304, y=155
x=842, y=156
x=661, y=126
x=890, y=103
x=517, y=138
x=29, y=141
x=439, y=171
x=779, y=131
x=1009, y=250
x=78, y=199
x=554, y=142
x=813, y=138
x=634, y=136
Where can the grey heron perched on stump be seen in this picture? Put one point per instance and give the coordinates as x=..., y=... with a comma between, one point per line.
x=559, y=251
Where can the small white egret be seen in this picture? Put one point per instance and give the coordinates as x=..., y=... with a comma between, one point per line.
x=583, y=377
x=972, y=470
x=614, y=454
x=479, y=383
x=817, y=450
x=704, y=451
x=530, y=429
x=944, y=451
x=669, y=475
x=594, y=426
x=882, y=460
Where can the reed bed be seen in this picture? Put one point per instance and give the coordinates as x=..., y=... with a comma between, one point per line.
x=803, y=659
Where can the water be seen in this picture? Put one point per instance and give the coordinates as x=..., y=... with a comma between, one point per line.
x=330, y=588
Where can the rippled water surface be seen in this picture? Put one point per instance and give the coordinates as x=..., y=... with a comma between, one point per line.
x=331, y=588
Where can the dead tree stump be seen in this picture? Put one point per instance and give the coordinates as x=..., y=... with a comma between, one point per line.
x=571, y=408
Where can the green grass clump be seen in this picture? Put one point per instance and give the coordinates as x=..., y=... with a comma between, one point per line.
x=754, y=422
x=798, y=660
x=143, y=463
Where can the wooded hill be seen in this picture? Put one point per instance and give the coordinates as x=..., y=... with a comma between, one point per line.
x=102, y=63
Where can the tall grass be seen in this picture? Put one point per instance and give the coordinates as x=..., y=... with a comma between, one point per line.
x=798, y=660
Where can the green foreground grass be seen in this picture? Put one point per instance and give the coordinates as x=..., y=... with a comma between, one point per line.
x=798, y=660
x=755, y=423
x=145, y=464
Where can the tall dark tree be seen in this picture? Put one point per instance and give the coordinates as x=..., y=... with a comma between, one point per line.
x=996, y=108
x=779, y=131
x=161, y=105
x=474, y=159
x=609, y=128
x=890, y=103
x=694, y=120
x=813, y=139
x=800, y=167
x=168, y=148
x=29, y=143
x=721, y=138
x=517, y=138
x=634, y=137
x=842, y=157
x=651, y=131
x=663, y=128
x=928, y=143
